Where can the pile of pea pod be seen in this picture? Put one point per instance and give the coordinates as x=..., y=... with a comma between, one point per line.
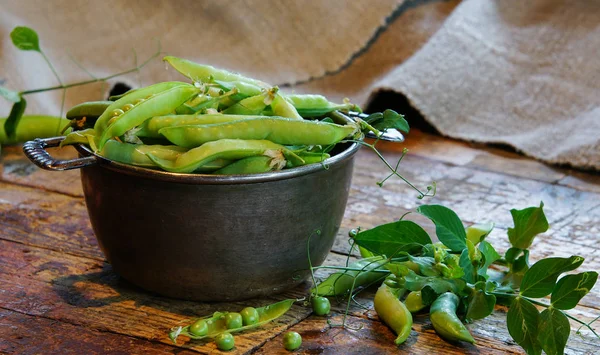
x=221, y=123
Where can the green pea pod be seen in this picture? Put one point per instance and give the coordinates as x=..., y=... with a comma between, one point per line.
x=445, y=321
x=217, y=323
x=340, y=283
x=230, y=149
x=136, y=154
x=244, y=89
x=132, y=98
x=91, y=110
x=317, y=105
x=151, y=127
x=253, y=105
x=86, y=136
x=393, y=312
x=159, y=104
x=308, y=158
x=281, y=107
x=280, y=130
x=250, y=165
x=206, y=73
x=31, y=127
x=414, y=302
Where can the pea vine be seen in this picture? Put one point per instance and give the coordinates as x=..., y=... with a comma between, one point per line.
x=26, y=39
x=404, y=257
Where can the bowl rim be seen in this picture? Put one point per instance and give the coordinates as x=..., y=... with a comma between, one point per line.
x=211, y=179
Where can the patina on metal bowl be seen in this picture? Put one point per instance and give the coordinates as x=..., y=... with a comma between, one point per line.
x=210, y=237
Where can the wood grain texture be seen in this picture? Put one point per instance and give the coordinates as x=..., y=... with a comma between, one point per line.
x=53, y=275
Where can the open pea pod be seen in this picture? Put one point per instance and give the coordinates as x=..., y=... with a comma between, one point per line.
x=158, y=104
x=132, y=98
x=216, y=323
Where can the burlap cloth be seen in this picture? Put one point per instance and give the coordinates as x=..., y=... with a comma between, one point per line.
x=523, y=73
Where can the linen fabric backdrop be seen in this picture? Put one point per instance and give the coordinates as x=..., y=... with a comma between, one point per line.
x=522, y=73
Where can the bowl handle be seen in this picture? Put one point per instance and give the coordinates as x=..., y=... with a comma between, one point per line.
x=35, y=150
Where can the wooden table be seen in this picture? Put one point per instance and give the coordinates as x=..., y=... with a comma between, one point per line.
x=59, y=296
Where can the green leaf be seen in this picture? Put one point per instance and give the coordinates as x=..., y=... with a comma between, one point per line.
x=540, y=279
x=10, y=95
x=570, y=289
x=477, y=232
x=490, y=255
x=529, y=222
x=522, y=321
x=25, y=39
x=414, y=282
x=425, y=264
x=553, y=331
x=512, y=254
x=428, y=295
x=518, y=269
x=467, y=265
x=388, y=119
x=480, y=303
x=389, y=239
x=12, y=121
x=448, y=226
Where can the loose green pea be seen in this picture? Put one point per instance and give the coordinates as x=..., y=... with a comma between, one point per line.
x=249, y=316
x=233, y=320
x=225, y=341
x=292, y=341
x=321, y=305
x=199, y=328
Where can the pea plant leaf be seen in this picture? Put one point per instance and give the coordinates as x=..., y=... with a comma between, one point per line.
x=553, y=331
x=540, y=279
x=10, y=95
x=480, y=302
x=490, y=255
x=391, y=238
x=448, y=227
x=25, y=39
x=414, y=282
x=476, y=233
x=529, y=222
x=467, y=265
x=10, y=125
x=522, y=321
x=388, y=119
x=570, y=289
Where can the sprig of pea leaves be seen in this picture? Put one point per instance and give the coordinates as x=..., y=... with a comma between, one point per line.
x=462, y=263
x=26, y=39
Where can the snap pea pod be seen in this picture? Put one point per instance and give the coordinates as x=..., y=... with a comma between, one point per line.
x=393, y=312
x=217, y=324
x=86, y=136
x=317, y=105
x=136, y=154
x=31, y=127
x=91, y=110
x=159, y=104
x=206, y=73
x=230, y=149
x=280, y=130
x=116, y=97
x=250, y=165
x=151, y=126
x=281, y=107
x=340, y=283
x=132, y=97
x=244, y=89
x=253, y=105
x=311, y=158
x=445, y=321
x=414, y=302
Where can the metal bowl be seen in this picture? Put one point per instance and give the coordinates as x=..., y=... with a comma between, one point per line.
x=207, y=237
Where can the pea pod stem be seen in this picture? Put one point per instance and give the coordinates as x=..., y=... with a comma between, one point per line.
x=353, y=269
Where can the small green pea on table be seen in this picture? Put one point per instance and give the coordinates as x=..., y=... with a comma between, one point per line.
x=59, y=296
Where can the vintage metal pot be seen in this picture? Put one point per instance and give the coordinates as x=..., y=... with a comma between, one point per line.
x=208, y=238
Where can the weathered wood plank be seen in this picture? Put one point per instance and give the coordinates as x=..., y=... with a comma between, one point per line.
x=28, y=335
x=16, y=168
